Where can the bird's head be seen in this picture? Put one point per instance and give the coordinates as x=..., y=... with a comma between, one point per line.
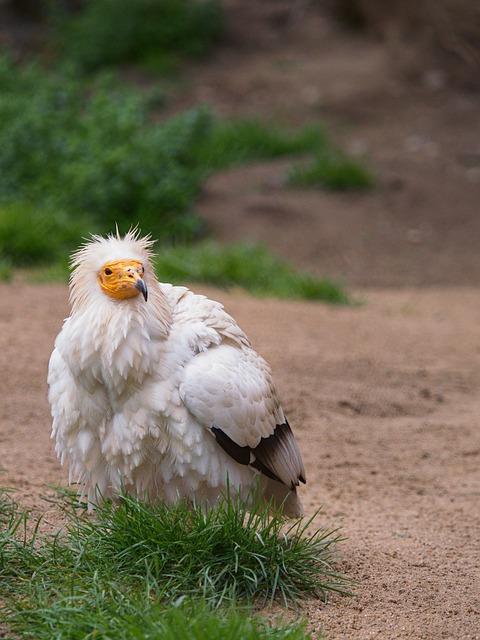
x=113, y=268
x=122, y=279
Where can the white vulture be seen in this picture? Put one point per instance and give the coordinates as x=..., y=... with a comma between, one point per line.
x=156, y=391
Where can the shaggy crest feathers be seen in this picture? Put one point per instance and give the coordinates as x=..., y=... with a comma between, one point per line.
x=96, y=251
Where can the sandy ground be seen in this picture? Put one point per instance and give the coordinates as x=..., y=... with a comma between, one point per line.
x=383, y=398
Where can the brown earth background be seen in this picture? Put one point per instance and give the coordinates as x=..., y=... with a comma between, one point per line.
x=383, y=395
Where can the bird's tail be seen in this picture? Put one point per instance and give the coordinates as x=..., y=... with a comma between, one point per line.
x=283, y=497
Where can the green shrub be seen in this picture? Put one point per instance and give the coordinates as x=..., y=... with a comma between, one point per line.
x=95, y=154
x=251, y=267
x=332, y=170
x=52, y=272
x=151, y=32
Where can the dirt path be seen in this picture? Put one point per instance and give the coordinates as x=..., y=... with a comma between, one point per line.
x=384, y=399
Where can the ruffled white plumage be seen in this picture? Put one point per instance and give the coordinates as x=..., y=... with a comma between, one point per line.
x=135, y=389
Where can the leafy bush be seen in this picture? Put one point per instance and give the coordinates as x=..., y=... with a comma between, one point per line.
x=95, y=154
x=151, y=32
x=248, y=266
x=331, y=170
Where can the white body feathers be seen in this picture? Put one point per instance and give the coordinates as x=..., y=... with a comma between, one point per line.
x=135, y=389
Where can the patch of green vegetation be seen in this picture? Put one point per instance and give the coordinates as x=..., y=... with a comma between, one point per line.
x=139, y=570
x=93, y=152
x=29, y=235
x=332, y=170
x=249, y=266
x=238, y=141
x=54, y=272
x=6, y=271
x=78, y=157
x=155, y=33
x=116, y=616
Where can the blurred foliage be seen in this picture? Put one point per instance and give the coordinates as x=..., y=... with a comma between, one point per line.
x=331, y=170
x=156, y=33
x=6, y=271
x=80, y=154
x=29, y=235
x=238, y=141
x=77, y=157
x=92, y=151
x=249, y=266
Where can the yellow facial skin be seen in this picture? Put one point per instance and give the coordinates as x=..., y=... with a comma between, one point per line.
x=122, y=279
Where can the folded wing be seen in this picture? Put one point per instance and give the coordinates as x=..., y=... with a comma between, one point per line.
x=230, y=391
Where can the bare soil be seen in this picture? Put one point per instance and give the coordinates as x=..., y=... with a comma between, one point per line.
x=384, y=400
x=287, y=63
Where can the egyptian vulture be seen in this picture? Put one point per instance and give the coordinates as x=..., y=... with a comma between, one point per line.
x=156, y=391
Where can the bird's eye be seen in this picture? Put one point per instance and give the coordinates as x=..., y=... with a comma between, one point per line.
x=108, y=272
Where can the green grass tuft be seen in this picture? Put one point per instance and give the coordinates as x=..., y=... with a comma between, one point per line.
x=333, y=171
x=117, y=616
x=154, y=33
x=249, y=266
x=138, y=570
x=224, y=553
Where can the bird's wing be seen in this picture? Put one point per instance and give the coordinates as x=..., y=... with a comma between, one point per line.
x=229, y=390
x=199, y=321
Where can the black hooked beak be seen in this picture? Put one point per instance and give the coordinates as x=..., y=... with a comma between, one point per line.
x=142, y=287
